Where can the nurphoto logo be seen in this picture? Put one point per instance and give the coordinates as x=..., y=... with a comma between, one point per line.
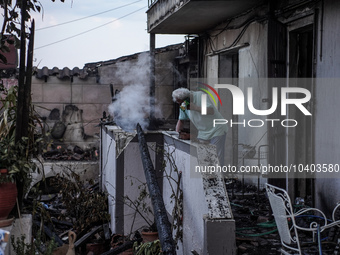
x=239, y=104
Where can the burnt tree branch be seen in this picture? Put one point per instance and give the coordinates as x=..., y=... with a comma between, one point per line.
x=28, y=84
x=161, y=218
x=22, y=74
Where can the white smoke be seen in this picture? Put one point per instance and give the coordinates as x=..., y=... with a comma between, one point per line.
x=133, y=102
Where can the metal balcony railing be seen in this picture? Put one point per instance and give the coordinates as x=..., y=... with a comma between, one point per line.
x=151, y=2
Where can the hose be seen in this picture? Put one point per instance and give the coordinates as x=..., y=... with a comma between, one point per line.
x=257, y=235
x=313, y=216
x=259, y=225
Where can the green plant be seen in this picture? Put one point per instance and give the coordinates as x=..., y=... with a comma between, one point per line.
x=16, y=156
x=141, y=205
x=174, y=177
x=149, y=248
x=11, y=24
x=20, y=247
x=85, y=206
x=13, y=157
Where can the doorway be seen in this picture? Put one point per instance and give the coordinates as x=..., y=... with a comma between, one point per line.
x=228, y=67
x=300, y=138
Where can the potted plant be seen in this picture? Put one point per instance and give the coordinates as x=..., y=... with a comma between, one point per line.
x=149, y=234
x=8, y=189
x=8, y=195
x=16, y=154
x=153, y=248
x=142, y=207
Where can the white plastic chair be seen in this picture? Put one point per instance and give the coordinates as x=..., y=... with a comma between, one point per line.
x=286, y=223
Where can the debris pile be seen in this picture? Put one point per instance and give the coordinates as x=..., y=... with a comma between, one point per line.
x=71, y=215
x=71, y=153
x=256, y=231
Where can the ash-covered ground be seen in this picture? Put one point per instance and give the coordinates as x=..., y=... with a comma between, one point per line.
x=256, y=231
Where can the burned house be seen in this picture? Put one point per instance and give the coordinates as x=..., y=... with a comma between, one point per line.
x=72, y=102
x=281, y=57
x=270, y=52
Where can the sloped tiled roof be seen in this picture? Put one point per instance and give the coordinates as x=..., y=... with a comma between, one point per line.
x=66, y=72
x=90, y=69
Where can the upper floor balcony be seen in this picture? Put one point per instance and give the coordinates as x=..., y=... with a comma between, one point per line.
x=192, y=16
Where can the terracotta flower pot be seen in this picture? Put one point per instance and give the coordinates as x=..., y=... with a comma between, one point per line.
x=96, y=248
x=8, y=195
x=149, y=236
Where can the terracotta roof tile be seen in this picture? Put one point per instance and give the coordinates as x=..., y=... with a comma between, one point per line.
x=64, y=73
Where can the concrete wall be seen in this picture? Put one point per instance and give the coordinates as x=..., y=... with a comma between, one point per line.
x=86, y=170
x=162, y=10
x=252, y=69
x=165, y=72
x=122, y=175
x=20, y=227
x=194, y=204
x=134, y=177
x=327, y=105
x=107, y=164
x=134, y=70
x=90, y=98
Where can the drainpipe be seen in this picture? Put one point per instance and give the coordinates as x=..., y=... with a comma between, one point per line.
x=161, y=219
x=152, y=75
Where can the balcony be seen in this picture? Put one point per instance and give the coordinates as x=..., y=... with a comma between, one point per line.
x=208, y=224
x=192, y=16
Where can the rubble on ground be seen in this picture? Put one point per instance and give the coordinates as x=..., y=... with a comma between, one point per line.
x=62, y=207
x=256, y=231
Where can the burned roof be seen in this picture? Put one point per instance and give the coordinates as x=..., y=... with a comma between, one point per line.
x=94, y=65
x=90, y=69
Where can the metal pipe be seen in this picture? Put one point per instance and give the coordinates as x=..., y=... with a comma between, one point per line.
x=152, y=75
x=161, y=219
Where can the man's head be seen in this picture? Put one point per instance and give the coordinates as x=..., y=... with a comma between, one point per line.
x=179, y=95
